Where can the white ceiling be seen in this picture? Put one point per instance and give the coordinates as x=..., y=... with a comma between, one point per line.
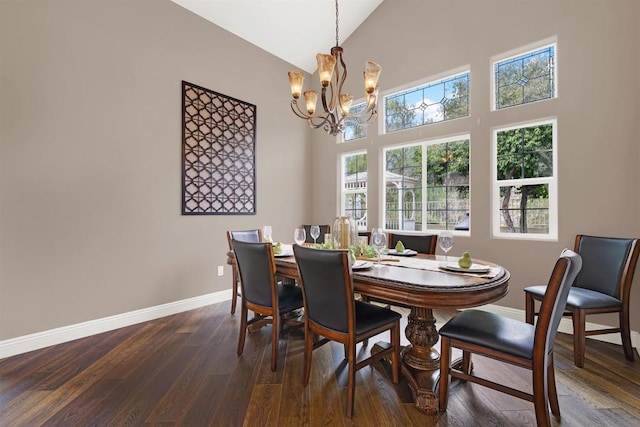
x=279, y=27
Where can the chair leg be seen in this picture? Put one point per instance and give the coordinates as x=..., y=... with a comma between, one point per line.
x=551, y=385
x=625, y=331
x=579, y=337
x=234, y=289
x=540, y=398
x=309, y=338
x=530, y=307
x=466, y=362
x=351, y=382
x=445, y=361
x=243, y=328
x=275, y=333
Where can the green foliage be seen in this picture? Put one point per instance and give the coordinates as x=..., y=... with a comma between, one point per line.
x=525, y=79
x=524, y=153
x=355, y=163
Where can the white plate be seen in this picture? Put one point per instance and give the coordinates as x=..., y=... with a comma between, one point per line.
x=361, y=265
x=406, y=252
x=475, y=268
x=283, y=254
x=287, y=250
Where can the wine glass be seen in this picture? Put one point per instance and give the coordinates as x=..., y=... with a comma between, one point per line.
x=299, y=236
x=266, y=233
x=445, y=240
x=379, y=242
x=315, y=232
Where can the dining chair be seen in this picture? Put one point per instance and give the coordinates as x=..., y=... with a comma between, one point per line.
x=332, y=312
x=603, y=286
x=324, y=229
x=261, y=293
x=512, y=341
x=366, y=234
x=254, y=236
x=424, y=244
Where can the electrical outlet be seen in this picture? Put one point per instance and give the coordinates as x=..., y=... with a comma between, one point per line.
x=220, y=270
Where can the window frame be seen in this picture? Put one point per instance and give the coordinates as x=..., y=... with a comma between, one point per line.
x=551, y=181
x=344, y=191
x=382, y=112
x=356, y=103
x=425, y=144
x=521, y=51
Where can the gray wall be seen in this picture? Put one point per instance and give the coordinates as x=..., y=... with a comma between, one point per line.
x=90, y=166
x=597, y=111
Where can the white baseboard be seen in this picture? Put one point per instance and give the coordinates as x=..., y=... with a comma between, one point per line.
x=566, y=325
x=26, y=343
x=43, y=339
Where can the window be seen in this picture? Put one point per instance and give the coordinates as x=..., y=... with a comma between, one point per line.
x=427, y=185
x=432, y=102
x=525, y=78
x=524, y=193
x=354, y=129
x=354, y=187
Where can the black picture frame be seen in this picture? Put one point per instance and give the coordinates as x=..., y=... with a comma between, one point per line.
x=218, y=153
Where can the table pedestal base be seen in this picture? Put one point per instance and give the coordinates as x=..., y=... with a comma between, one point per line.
x=423, y=383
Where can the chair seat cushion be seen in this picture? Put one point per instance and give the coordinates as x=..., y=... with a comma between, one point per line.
x=289, y=297
x=492, y=331
x=369, y=317
x=580, y=297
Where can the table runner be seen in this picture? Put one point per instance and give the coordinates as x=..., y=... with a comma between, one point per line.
x=434, y=265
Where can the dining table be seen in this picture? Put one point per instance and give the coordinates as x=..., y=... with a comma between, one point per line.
x=420, y=283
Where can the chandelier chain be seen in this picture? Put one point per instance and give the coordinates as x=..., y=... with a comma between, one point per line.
x=337, y=40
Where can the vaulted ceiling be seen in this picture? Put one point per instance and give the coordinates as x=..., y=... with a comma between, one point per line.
x=293, y=30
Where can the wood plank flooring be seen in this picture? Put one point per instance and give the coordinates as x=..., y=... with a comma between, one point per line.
x=183, y=370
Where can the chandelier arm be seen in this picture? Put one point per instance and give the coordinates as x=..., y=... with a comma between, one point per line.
x=297, y=111
x=323, y=121
x=327, y=107
x=295, y=107
x=344, y=73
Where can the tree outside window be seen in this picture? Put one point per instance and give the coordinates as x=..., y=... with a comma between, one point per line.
x=427, y=185
x=525, y=184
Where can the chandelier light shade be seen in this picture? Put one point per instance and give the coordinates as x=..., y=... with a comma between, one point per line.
x=334, y=115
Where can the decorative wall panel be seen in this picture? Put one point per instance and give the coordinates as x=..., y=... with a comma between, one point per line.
x=218, y=149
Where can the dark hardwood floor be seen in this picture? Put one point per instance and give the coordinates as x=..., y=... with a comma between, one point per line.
x=183, y=370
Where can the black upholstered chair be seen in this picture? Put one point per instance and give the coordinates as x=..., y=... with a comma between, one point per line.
x=332, y=312
x=324, y=229
x=261, y=293
x=424, y=244
x=366, y=234
x=514, y=342
x=603, y=286
x=253, y=236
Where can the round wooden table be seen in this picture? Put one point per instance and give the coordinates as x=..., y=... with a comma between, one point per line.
x=421, y=288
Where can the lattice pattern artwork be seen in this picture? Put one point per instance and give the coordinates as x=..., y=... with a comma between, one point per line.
x=219, y=146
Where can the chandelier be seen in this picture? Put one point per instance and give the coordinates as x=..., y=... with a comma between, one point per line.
x=335, y=115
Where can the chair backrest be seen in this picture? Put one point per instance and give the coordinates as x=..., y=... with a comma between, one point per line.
x=257, y=269
x=609, y=264
x=366, y=234
x=253, y=236
x=555, y=298
x=327, y=287
x=424, y=244
x=324, y=229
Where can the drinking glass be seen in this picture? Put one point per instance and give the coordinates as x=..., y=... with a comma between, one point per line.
x=299, y=236
x=266, y=233
x=315, y=232
x=445, y=240
x=378, y=242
